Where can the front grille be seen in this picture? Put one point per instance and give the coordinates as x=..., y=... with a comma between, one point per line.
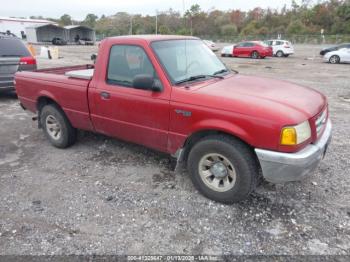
x=321, y=122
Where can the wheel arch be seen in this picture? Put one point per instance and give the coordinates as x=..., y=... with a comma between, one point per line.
x=196, y=136
x=335, y=55
x=42, y=101
x=200, y=134
x=279, y=50
x=255, y=51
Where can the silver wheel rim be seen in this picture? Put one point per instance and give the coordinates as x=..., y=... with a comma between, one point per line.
x=255, y=55
x=279, y=54
x=217, y=172
x=53, y=127
x=333, y=60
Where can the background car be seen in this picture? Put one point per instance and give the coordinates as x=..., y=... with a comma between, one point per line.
x=253, y=49
x=14, y=56
x=211, y=45
x=280, y=48
x=334, y=48
x=338, y=56
x=227, y=50
x=58, y=41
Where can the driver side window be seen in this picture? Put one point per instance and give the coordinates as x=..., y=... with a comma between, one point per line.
x=126, y=62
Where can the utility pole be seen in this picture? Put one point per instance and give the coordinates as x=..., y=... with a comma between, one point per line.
x=130, y=25
x=191, y=26
x=156, y=22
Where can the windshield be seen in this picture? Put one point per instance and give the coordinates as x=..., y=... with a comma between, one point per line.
x=184, y=59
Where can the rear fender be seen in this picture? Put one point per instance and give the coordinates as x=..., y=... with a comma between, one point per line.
x=48, y=96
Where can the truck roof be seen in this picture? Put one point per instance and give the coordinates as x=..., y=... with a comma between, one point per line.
x=151, y=38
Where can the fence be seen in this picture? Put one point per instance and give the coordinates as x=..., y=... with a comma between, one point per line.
x=296, y=39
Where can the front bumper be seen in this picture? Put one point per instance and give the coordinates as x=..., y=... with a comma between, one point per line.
x=284, y=167
x=326, y=59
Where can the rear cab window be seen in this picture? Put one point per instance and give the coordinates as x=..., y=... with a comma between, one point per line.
x=12, y=47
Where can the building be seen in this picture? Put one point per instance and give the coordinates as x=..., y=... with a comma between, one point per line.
x=17, y=26
x=75, y=33
x=44, y=33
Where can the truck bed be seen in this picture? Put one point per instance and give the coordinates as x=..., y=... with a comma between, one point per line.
x=70, y=93
x=63, y=70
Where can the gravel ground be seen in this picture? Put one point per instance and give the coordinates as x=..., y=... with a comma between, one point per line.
x=104, y=196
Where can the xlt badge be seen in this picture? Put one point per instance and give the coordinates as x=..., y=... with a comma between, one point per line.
x=183, y=112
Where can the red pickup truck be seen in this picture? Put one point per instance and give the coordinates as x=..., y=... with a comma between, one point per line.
x=172, y=94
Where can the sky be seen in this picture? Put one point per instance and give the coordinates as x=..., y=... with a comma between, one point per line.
x=79, y=8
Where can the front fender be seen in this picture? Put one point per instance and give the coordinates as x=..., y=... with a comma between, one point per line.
x=222, y=126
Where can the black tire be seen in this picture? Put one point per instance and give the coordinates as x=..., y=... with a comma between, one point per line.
x=68, y=134
x=279, y=53
x=236, y=152
x=334, y=59
x=255, y=55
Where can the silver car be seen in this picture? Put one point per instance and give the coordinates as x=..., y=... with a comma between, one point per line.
x=14, y=56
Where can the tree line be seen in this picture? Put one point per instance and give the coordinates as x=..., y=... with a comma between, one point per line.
x=330, y=16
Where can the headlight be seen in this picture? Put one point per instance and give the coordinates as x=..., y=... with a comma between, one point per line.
x=295, y=135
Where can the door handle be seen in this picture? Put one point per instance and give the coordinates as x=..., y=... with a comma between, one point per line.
x=105, y=95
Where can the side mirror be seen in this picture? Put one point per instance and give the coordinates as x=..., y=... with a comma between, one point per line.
x=146, y=82
x=93, y=58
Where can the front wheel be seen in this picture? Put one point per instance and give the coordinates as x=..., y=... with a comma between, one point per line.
x=223, y=169
x=334, y=59
x=57, y=127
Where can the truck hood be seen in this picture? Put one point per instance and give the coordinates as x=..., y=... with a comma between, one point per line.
x=264, y=97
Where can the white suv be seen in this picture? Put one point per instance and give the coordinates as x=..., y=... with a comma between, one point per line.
x=281, y=48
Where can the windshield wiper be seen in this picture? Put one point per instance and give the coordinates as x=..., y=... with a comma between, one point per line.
x=193, y=78
x=224, y=71
x=220, y=71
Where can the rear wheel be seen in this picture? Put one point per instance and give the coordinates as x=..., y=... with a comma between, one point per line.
x=57, y=127
x=334, y=59
x=223, y=169
x=255, y=55
x=279, y=53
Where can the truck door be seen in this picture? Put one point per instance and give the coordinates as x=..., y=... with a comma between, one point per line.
x=120, y=110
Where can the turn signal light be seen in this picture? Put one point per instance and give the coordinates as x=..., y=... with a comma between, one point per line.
x=288, y=136
x=295, y=135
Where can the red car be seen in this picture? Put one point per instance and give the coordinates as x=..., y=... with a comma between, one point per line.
x=172, y=94
x=253, y=49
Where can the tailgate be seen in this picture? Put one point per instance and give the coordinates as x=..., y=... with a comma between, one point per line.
x=8, y=67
